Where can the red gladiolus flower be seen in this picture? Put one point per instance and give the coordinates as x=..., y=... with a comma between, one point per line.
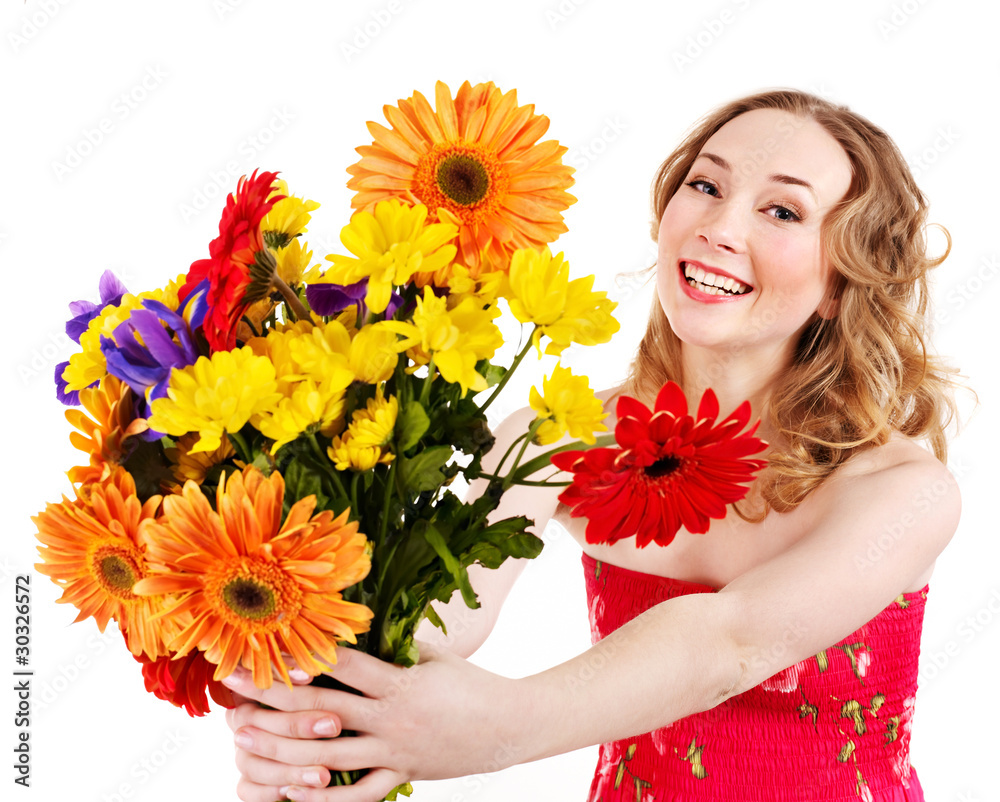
x=232, y=254
x=183, y=682
x=672, y=470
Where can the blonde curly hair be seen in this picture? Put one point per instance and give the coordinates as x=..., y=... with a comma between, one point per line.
x=864, y=373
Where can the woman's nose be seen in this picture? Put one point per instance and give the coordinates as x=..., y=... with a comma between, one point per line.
x=723, y=226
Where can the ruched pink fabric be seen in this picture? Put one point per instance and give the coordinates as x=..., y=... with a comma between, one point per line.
x=833, y=727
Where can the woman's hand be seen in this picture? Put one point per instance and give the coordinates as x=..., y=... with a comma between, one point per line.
x=441, y=718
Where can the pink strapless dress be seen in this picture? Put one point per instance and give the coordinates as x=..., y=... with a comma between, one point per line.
x=833, y=727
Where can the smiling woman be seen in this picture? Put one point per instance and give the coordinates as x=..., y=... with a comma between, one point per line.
x=766, y=659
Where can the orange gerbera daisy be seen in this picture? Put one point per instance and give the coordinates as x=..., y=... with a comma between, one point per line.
x=252, y=586
x=103, y=434
x=476, y=163
x=92, y=550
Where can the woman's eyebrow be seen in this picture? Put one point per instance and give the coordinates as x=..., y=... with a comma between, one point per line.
x=779, y=178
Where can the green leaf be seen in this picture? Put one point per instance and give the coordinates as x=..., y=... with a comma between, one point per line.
x=494, y=373
x=435, y=619
x=405, y=789
x=424, y=471
x=451, y=564
x=411, y=426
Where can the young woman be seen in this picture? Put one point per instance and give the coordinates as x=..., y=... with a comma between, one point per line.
x=791, y=272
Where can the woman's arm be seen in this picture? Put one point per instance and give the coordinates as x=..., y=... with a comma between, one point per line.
x=446, y=718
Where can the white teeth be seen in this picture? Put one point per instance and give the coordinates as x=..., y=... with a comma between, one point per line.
x=712, y=284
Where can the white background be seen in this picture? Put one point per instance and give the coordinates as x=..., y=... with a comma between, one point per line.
x=289, y=86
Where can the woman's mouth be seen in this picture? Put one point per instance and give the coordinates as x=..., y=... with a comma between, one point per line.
x=712, y=283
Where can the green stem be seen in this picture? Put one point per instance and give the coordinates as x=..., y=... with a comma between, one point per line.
x=507, y=375
x=354, y=494
x=510, y=449
x=425, y=389
x=541, y=483
x=544, y=460
x=291, y=297
x=240, y=443
x=331, y=471
x=509, y=479
x=390, y=483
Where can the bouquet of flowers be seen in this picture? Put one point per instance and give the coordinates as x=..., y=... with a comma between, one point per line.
x=270, y=441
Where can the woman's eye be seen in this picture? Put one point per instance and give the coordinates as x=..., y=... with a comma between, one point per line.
x=785, y=215
x=698, y=183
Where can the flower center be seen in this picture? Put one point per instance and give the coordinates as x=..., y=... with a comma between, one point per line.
x=253, y=594
x=663, y=467
x=248, y=598
x=116, y=570
x=463, y=179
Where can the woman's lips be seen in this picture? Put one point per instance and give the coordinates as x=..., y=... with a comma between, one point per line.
x=706, y=297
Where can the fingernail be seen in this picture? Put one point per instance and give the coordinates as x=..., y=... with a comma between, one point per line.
x=243, y=740
x=298, y=675
x=232, y=681
x=283, y=791
x=294, y=793
x=311, y=777
x=326, y=726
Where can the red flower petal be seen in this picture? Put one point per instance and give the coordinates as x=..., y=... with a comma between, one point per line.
x=672, y=470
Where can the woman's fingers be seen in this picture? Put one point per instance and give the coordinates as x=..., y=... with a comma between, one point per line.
x=368, y=674
x=345, y=706
x=268, y=773
x=337, y=754
x=370, y=788
x=301, y=724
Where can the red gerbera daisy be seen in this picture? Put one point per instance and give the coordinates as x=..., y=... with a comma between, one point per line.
x=183, y=682
x=232, y=255
x=672, y=470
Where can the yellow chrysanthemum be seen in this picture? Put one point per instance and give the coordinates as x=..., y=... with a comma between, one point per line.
x=250, y=588
x=312, y=371
x=456, y=338
x=293, y=262
x=486, y=286
x=476, y=162
x=89, y=365
x=373, y=353
x=95, y=553
x=539, y=291
x=389, y=246
x=568, y=405
x=185, y=464
x=311, y=406
x=102, y=434
x=214, y=395
x=363, y=445
x=288, y=217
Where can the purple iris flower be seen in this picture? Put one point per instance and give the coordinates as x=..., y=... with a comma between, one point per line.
x=111, y=290
x=332, y=299
x=145, y=366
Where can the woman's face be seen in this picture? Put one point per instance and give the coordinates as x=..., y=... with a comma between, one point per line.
x=741, y=264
